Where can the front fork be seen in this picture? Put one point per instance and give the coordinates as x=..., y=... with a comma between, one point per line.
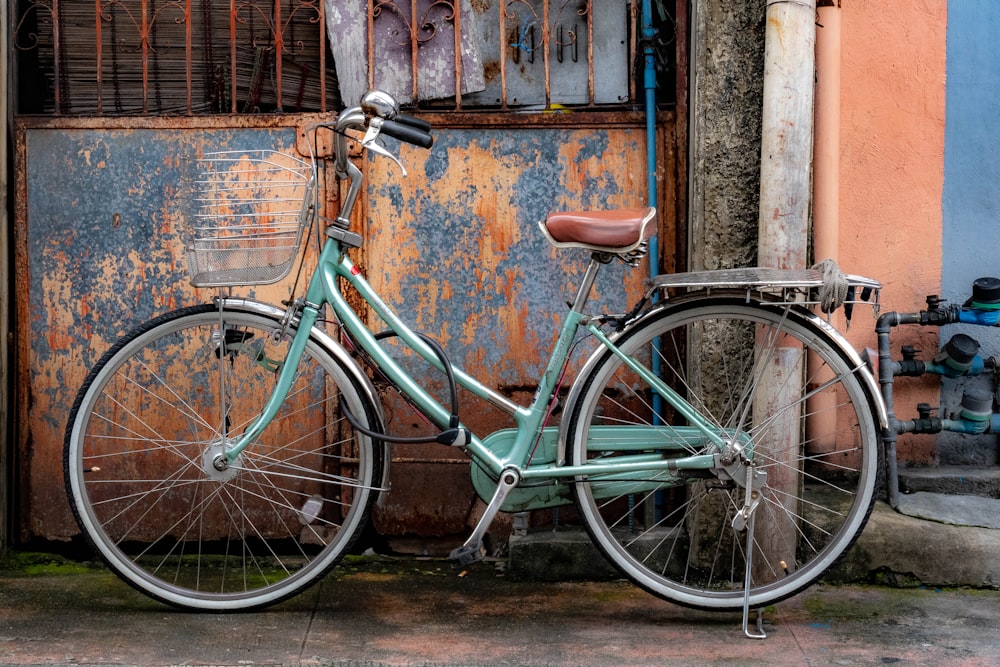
x=286, y=375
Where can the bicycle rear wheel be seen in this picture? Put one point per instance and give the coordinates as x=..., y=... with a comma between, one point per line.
x=771, y=380
x=150, y=421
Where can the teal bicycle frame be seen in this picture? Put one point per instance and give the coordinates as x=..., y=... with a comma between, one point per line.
x=334, y=264
x=324, y=289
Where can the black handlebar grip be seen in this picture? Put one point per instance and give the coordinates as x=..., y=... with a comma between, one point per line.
x=410, y=135
x=413, y=121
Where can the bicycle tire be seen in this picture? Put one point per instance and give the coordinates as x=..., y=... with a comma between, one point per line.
x=153, y=414
x=676, y=539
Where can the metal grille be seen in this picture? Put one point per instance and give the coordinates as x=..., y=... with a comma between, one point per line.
x=515, y=53
x=144, y=57
x=139, y=57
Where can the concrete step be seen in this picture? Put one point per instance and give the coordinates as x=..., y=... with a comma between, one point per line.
x=952, y=480
x=895, y=549
x=954, y=509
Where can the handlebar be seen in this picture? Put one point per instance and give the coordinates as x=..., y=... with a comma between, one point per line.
x=413, y=121
x=408, y=133
x=378, y=113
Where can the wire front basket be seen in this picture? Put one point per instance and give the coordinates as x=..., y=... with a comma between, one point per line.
x=246, y=215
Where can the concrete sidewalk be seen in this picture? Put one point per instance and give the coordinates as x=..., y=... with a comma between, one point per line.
x=378, y=611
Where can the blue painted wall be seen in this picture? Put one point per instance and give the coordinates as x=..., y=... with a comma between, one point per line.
x=971, y=194
x=971, y=197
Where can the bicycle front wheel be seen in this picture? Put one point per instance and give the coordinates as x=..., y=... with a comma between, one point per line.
x=785, y=399
x=142, y=450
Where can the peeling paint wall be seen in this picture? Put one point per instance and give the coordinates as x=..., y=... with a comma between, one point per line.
x=100, y=251
x=454, y=247
x=458, y=248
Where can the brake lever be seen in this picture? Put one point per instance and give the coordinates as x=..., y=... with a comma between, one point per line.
x=370, y=142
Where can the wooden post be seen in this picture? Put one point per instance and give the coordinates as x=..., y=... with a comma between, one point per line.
x=783, y=234
x=5, y=375
x=786, y=133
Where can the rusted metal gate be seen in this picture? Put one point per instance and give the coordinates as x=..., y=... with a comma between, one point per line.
x=99, y=249
x=453, y=246
x=456, y=248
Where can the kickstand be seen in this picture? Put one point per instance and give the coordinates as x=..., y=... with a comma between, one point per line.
x=760, y=625
x=760, y=634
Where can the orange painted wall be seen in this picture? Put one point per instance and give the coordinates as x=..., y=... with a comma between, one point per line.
x=892, y=127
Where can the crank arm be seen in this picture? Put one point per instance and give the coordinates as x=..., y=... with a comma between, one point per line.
x=473, y=550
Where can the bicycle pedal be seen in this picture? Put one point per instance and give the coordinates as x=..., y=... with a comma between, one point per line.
x=468, y=554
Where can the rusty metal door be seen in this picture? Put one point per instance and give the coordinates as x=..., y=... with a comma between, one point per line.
x=99, y=250
x=454, y=247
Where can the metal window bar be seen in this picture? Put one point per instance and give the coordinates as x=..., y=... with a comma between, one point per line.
x=141, y=57
x=399, y=32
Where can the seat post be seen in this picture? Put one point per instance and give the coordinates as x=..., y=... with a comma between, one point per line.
x=587, y=284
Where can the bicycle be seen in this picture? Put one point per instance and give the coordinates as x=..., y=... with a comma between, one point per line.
x=225, y=456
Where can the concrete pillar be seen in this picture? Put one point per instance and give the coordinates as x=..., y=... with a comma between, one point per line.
x=726, y=84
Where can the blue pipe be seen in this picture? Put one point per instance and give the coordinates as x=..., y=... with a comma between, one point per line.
x=649, y=85
x=983, y=318
x=977, y=366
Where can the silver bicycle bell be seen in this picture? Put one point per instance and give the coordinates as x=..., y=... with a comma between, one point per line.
x=378, y=103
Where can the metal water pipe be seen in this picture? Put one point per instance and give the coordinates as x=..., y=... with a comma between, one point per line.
x=826, y=194
x=783, y=232
x=649, y=86
x=786, y=133
x=826, y=153
x=649, y=34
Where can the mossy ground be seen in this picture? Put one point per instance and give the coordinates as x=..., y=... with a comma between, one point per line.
x=39, y=564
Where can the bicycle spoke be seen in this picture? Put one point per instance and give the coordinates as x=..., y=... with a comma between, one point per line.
x=786, y=403
x=143, y=472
